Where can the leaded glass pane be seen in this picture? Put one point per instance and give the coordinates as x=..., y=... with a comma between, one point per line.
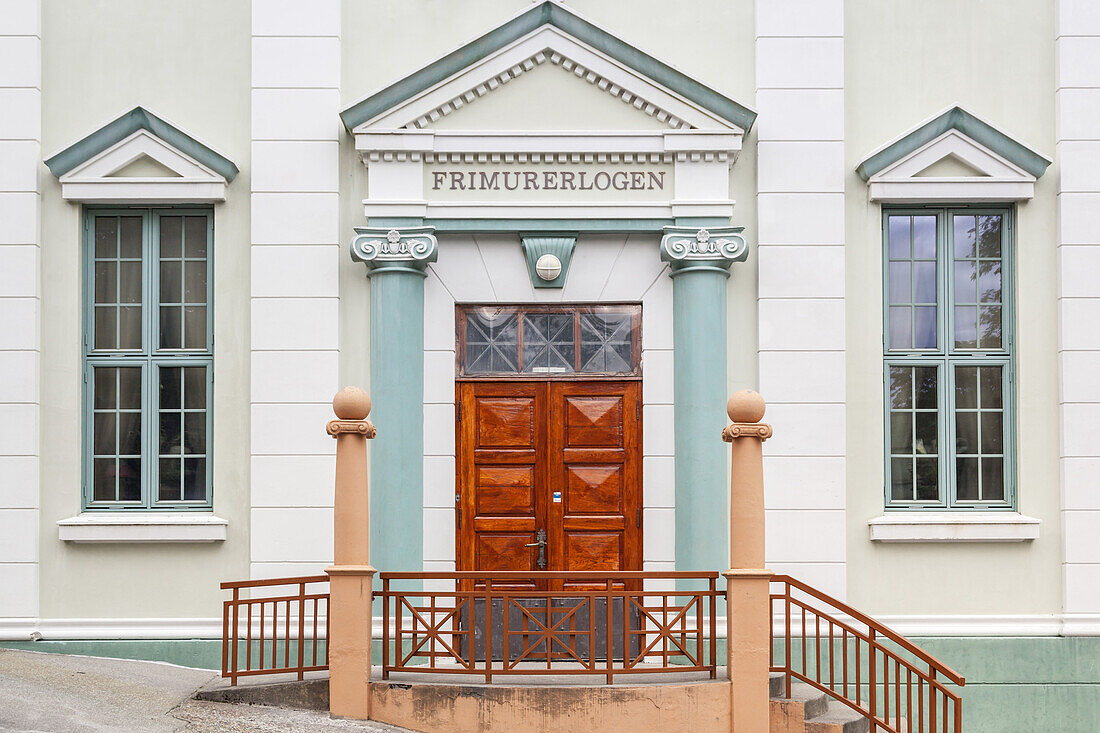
x=548, y=343
x=605, y=342
x=491, y=342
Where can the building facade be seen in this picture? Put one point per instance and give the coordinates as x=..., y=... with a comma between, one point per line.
x=550, y=240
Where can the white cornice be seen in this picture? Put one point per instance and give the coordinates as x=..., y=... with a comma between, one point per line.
x=488, y=146
x=547, y=210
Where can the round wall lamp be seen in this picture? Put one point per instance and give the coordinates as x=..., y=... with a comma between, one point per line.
x=548, y=267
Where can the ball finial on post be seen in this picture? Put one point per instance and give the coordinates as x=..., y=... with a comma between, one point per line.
x=351, y=403
x=746, y=406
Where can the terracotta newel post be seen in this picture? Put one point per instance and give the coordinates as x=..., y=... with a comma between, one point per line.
x=748, y=610
x=349, y=608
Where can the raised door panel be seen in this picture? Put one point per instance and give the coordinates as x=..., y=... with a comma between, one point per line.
x=595, y=464
x=502, y=476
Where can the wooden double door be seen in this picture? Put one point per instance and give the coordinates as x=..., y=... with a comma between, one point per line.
x=549, y=478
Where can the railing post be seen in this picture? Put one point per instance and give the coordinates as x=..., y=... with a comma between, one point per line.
x=872, y=677
x=301, y=630
x=748, y=608
x=349, y=609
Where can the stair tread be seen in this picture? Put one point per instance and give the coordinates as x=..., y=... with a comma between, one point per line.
x=839, y=713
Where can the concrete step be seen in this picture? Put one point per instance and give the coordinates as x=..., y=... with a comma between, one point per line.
x=810, y=711
x=838, y=718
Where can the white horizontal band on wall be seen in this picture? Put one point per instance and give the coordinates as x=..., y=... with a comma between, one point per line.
x=22, y=629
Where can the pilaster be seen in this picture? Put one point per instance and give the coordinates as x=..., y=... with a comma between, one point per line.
x=699, y=265
x=801, y=281
x=20, y=304
x=295, y=344
x=1077, y=98
x=397, y=261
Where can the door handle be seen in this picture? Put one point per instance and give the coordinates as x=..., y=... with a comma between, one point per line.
x=540, y=542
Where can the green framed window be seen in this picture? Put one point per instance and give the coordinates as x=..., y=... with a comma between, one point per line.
x=148, y=359
x=948, y=358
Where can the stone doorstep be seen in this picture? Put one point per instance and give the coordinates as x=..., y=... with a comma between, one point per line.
x=807, y=710
x=810, y=711
x=285, y=691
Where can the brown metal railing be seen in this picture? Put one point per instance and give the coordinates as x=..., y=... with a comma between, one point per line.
x=604, y=623
x=849, y=656
x=274, y=634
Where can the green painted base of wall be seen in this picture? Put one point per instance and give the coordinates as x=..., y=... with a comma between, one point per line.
x=1023, y=685
x=1014, y=684
x=198, y=653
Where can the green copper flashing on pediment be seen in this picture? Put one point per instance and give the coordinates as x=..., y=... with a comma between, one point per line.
x=123, y=127
x=959, y=119
x=544, y=13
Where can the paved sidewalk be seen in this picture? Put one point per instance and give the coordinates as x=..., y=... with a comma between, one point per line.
x=56, y=693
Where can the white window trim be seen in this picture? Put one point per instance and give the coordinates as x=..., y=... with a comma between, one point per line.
x=148, y=527
x=956, y=526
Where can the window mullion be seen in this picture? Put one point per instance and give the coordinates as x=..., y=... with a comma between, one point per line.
x=946, y=244
x=149, y=397
x=950, y=434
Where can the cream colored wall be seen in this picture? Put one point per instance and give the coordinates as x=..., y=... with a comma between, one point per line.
x=905, y=62
x=190, y=63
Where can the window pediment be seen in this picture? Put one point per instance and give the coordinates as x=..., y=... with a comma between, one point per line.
x=139, y=158
x=952, y=157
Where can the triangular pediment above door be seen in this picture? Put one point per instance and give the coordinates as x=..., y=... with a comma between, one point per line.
x=548, y=96
x=534, y=42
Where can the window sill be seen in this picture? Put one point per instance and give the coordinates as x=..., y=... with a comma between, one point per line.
x=119, y=527
x=953, y=527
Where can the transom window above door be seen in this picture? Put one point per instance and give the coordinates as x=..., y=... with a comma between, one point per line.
x=542, y=341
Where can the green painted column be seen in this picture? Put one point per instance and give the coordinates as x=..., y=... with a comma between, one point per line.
x=396, y=262
x=700, y=261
